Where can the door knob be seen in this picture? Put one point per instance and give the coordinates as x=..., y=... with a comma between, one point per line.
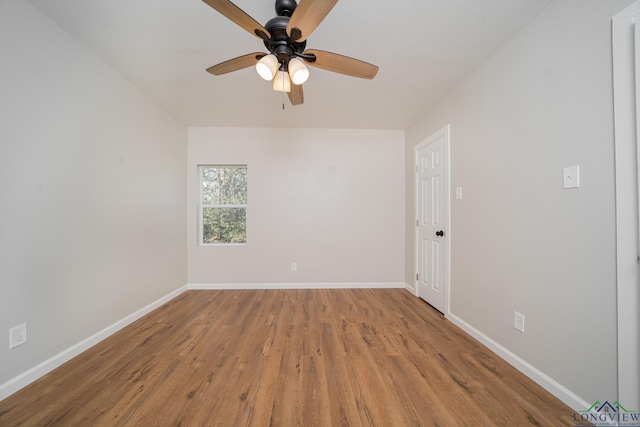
x=440, y=233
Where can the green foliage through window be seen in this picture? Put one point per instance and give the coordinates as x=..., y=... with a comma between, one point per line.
x=223, y=201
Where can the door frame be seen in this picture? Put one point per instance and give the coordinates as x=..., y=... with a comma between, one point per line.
x=445, y=133
x=626, y=79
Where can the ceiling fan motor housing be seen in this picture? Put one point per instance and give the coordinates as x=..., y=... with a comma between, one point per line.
x=280, y=43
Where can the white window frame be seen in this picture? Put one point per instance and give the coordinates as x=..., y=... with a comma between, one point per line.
x=202, y=206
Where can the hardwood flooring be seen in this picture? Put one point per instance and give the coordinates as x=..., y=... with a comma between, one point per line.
x=363, y=357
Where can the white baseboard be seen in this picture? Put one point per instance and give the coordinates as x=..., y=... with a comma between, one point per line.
x=411, y=288
x=558, y=390
x=345, y=285
x=29, y=376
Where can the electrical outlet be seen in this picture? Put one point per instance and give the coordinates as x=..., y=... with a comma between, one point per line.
x=294, y=266
x=518, y=321
x=17, y=335
x=458, y=193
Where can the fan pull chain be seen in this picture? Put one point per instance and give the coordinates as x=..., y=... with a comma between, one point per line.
x=283, y=76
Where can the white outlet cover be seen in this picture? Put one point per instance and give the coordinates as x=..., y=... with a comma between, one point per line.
x=518, y=321
x=458, y=193
x=571, y=177
x=17, y=335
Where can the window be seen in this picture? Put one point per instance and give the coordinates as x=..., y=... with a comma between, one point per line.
x=223, y=205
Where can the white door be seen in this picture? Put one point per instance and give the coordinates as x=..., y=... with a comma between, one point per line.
x=432, y=233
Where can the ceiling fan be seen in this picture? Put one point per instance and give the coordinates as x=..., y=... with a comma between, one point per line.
x=285, y=37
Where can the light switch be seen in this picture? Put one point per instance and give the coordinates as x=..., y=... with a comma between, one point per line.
x=571, y=177
x=458, y=193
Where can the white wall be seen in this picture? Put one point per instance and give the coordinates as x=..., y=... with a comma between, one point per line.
x=520, y=242
x=92, y=192
x=330, y=200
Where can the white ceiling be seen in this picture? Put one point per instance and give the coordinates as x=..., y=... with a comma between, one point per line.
x=423, y=48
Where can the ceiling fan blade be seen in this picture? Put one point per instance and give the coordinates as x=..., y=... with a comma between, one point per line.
x=236, y=64
x=240, y=17
x=342, y=64
x=296, y=96
x=307, y=16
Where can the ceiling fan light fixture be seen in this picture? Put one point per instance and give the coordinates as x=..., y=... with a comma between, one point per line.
x=285, y=37
x=281, y=82
x=267, y=67
x=298, y=71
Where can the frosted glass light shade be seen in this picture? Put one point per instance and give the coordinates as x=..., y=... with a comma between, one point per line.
x=281, y=82
x=267, y=67
x=298, y=71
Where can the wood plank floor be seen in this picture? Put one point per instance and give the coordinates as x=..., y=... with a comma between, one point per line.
x=364, y=357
